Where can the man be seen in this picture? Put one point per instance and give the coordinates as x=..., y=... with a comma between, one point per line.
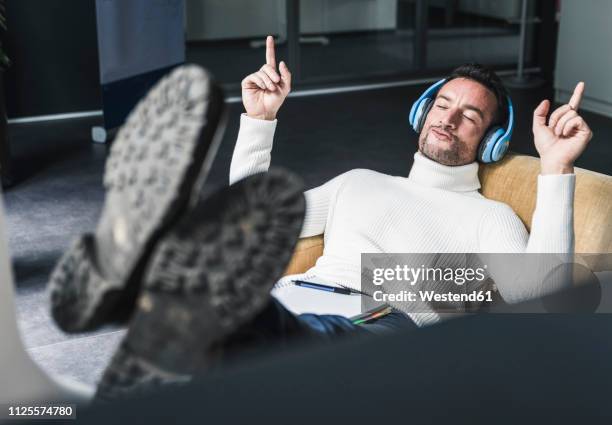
x=438, y=207
x=196, y=280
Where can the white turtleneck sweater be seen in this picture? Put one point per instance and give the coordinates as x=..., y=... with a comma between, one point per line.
x=436, y=209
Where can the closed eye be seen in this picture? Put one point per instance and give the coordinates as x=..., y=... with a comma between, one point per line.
x=442, y=107
x=471, y=119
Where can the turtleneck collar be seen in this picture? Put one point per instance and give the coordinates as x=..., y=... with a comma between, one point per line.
x=426, y=172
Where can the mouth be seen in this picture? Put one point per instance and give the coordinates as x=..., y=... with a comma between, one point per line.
x=442, y=135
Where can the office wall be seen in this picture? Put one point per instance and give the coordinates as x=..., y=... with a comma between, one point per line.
x=583, y=53
x=52, y=44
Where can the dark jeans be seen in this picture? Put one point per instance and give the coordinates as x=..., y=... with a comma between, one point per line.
x=277, y=326
x=331, y=326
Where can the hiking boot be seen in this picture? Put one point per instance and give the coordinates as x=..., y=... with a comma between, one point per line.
x=211, y=273
x=157, y=165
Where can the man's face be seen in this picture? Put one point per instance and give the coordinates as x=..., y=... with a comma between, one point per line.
x=461, y=113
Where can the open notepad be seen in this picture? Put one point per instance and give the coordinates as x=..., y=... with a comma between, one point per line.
x=300, y=300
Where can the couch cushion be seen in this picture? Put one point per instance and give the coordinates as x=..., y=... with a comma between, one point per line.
x=305, y=255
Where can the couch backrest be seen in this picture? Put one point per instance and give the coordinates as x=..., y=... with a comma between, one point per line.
x=514, y=182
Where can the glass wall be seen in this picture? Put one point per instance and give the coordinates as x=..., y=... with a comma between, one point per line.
x=348, y=39
x=485, y=31
x=330, y=41
x=227, y=36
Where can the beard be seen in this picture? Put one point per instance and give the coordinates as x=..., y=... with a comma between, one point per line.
x=454, y=153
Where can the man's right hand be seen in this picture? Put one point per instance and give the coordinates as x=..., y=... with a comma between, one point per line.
x=264, y=91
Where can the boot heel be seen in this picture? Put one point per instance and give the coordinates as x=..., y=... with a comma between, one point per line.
x=73, y=286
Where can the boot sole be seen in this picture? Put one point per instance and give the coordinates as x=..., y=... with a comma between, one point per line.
x=160, y=157
x=211, y=274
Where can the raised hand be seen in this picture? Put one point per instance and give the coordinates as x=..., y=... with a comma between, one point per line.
x=264, y=91
x=560, y=141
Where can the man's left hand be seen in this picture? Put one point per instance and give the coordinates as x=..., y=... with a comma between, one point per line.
x=564, y=138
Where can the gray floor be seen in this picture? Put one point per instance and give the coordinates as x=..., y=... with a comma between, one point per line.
x=60, y=193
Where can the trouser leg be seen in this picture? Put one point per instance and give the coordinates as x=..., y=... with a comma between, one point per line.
x=276, y=326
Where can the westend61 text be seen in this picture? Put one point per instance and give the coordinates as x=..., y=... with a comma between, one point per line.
x=432, y=296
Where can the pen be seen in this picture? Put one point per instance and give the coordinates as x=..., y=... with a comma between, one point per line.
x=373, y=316
x=320, y=287
x=369, y=313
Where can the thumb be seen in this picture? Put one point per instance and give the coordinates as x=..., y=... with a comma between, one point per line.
x=540, y=113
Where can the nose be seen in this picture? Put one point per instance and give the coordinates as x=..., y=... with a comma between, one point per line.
x=450, y=118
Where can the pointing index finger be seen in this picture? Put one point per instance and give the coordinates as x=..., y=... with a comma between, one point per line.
x=270, y=55
x=574, y=102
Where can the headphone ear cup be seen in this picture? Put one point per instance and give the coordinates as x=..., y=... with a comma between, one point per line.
x=421, y=115
x=488, y=144
x=500, y=149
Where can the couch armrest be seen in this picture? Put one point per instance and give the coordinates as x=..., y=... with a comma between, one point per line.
x=305, y=254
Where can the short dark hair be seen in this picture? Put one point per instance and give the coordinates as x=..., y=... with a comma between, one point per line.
x=488, y=78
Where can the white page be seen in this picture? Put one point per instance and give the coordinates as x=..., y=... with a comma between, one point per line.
x=298, y=299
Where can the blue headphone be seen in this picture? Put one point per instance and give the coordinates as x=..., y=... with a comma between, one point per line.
x=493, y=145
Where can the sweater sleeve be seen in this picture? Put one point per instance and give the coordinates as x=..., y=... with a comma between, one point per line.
x=552, y=232
x=319, y=203
x=252, y=155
